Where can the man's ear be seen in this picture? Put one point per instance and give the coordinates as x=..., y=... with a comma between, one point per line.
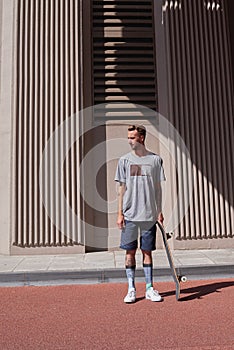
x=142, y=138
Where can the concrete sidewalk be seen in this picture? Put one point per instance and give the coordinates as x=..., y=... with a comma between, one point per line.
x=109, y=267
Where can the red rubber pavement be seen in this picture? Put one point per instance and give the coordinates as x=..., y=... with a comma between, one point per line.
x=95, y=317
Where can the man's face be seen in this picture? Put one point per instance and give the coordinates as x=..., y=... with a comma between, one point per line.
x=135, y=140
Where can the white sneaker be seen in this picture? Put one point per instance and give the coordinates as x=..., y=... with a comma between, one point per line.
x=131, y=296
x=152, y=295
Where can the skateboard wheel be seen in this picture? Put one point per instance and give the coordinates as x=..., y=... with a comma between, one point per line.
x=183, y=279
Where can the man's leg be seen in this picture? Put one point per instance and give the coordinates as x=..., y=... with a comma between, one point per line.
x=148, y=235
x=130, y=265
x=150, y=293
x=129, y=243
x=148, y=268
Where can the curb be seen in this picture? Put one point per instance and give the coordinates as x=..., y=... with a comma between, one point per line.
x=109, y=275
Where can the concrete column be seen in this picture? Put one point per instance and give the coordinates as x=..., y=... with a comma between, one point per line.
x=6, y=109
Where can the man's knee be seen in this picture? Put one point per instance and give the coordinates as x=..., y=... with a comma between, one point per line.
x=130, y=258
x=147, y=256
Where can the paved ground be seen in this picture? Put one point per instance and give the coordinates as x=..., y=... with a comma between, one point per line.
x=109, y=267
x=95, y=317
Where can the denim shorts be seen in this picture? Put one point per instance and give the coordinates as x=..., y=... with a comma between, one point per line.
x=129, y=235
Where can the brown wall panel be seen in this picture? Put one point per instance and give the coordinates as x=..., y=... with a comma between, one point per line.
x=201, y=109
x=47, y=93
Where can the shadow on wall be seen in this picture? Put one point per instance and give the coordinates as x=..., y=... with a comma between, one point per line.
x=200, y=104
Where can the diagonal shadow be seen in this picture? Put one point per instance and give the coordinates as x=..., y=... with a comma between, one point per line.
x=140, y=299
x=199, y=292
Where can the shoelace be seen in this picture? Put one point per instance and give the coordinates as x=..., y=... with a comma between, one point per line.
x=155, y=292
x=131, y=293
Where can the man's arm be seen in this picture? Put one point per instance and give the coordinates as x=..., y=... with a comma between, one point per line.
x=158, y=191
x=120, y=218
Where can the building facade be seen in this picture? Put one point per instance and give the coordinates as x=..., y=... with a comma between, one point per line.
x=74, y=74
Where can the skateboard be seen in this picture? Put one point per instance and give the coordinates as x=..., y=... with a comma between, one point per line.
x=176, y=277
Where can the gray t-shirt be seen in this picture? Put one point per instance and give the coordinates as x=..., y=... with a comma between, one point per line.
x=140, y=175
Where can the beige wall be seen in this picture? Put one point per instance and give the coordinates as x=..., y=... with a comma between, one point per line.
x=174, y=200
x=6, y=114
x=69, y=98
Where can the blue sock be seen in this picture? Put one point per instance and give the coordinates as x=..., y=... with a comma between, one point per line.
x=148, y=270
x=130, y=272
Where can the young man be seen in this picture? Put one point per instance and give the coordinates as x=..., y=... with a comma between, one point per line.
x=139, y=174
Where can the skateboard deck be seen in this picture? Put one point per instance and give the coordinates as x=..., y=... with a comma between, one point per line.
x=177, y=278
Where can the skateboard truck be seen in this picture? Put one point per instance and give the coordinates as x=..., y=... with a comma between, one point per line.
x=169, y=235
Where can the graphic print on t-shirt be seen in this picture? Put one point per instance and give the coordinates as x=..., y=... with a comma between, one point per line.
x=140, y=170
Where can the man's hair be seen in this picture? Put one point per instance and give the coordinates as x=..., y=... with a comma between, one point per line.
x=139, y=128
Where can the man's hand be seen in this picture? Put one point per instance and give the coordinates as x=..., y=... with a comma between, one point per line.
x=120, y=221
x=160, y=218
